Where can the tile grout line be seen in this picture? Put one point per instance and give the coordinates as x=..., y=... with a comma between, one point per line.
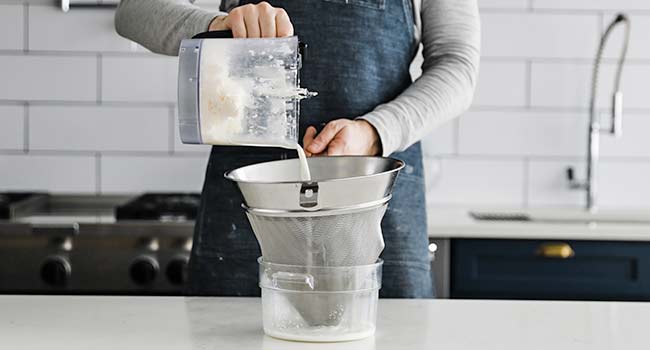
x=529, y=84
x=133, y=104
x=558, y=11
x=548, y=109
x=99, y=79
x=171, y=133
x=98, y=173
x=586, y=59
x=26, y=27
x=50, y=52
x=26, y=127
x=468, y=157
x=90, y=153
x=475, y=107
x=526, y=194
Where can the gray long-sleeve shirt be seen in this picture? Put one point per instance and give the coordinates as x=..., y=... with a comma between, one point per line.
x=449, y=31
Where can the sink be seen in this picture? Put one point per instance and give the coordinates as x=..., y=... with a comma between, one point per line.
x=564, y=216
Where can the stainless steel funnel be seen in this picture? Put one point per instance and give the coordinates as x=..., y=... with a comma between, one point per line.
x=338, y=184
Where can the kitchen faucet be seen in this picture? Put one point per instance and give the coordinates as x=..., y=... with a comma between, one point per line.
x=593, y=146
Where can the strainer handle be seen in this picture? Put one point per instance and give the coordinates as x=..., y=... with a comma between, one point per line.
x=309, y=195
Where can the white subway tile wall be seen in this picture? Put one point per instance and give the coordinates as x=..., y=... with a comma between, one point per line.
x=78, y=30
x=547, y=185
x=627, y=185
x=42, y=172
x=129, y=174
x=48, y=78
x=11, y=27
x=139, y=79
x=505, y=4
x=443, y=141
x=12, y=129
x=522, y=133
x=634, y=142
x=474, y=181
x=596, y=5
x=539, y=35
x=121, y=128
x=563, y=84
x=502, y=84
x=84, y=110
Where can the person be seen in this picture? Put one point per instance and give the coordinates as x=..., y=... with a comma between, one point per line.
x=358, y=61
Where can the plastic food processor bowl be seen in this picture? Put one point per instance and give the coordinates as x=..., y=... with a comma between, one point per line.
x=319, y=304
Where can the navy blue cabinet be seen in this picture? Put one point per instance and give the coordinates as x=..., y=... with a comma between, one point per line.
x=541, y=269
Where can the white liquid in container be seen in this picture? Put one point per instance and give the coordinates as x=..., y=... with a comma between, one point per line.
x=321, y=334
x=319, y=303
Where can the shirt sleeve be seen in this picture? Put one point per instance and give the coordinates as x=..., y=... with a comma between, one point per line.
x=160, y=25
x=451, y=50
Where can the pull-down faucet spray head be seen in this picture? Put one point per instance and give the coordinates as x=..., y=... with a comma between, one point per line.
x=616, y=113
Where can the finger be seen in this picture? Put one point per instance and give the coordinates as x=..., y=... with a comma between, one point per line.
x=336, y=148
x=267, y=20
x=310, y=133
x=235, y=22
x=283, y=24
x=323, y=139
x=252, y=21
x=218, y=23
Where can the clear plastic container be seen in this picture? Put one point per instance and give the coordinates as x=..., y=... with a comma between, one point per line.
x=319, y=304
x=239, y=91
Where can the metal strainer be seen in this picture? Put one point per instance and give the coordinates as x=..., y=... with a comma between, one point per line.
x=334, y=220
x=315, y=239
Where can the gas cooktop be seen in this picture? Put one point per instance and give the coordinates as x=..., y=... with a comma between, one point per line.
x=88, y=244
x=160, y=206
x=43, y=209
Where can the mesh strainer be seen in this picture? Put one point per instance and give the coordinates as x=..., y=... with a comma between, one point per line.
x=312, y=239
x=334, y=220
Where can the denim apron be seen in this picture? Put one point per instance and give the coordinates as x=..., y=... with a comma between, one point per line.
x=358, y=57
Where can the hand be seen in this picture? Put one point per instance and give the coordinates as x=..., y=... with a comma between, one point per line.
x=255, y=21
x=343, y=137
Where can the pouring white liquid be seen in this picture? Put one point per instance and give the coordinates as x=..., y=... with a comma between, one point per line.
x=305, y=174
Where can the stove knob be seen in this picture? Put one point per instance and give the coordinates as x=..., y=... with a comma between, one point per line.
x=143, y=270
x=177, y=271
x=56, y=271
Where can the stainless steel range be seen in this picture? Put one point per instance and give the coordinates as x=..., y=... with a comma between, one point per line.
x=74, y=244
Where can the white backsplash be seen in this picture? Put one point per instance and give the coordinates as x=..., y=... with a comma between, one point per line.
x=83, y=110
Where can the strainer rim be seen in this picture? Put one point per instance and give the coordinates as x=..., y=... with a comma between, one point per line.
x=401, y=163
x=320, y=212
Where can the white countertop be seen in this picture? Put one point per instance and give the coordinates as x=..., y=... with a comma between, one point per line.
x=456, y=223
x=74, y=322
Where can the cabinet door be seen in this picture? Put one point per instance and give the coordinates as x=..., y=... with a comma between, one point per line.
x=540, y=269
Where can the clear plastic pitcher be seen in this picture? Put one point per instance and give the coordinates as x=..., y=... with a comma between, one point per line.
x=239, y=91
x=319, y=304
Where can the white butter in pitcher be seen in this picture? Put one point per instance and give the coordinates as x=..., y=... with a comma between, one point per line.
x=222, y=103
